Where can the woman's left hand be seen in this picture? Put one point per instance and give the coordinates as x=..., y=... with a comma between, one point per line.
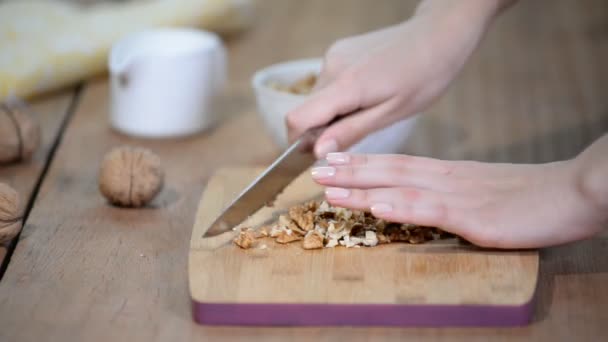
x=491, y=205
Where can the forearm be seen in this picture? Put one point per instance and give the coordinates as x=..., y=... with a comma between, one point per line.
x=475, y=11
x=592, y=175
x=457, y=25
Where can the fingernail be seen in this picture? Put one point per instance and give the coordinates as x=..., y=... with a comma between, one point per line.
x=336, y=193
x=323, y=172
x=338, y=158
x=380, y=208
x=325, y=147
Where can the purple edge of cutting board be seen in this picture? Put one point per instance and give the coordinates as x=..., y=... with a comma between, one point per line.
x=362, y=314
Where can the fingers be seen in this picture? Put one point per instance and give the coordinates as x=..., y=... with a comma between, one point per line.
x=366, y=177
x=335, y=99
x=353, y=128
x=388, y=160
x=323, y=79
x=406, y=205
x=378, y=171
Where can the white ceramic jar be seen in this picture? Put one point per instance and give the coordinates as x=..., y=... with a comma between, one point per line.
x=164, y=82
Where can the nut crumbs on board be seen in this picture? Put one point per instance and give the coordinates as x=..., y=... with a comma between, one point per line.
x=245, y=239
x=318, y=225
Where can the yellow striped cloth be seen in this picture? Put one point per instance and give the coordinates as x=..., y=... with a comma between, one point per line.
x=49, y=44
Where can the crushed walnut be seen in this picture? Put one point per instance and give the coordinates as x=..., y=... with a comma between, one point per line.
x=318, y=225
x=245, y=239
x=302, y=86
x=313, y=240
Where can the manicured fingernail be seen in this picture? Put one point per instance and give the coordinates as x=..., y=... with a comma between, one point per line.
x=323, y=172
x=337, y=193
x=380, y=208
x=325, y=147
x=338, y=158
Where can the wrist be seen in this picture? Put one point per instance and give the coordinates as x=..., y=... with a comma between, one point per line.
x=591, y=172
x=591, y=175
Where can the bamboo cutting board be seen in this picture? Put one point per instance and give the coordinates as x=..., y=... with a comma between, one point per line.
x=442, y=283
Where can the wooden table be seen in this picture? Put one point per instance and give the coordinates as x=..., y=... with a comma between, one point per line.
x=535, y=91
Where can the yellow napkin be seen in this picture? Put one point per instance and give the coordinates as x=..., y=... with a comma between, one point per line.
x=46, y=45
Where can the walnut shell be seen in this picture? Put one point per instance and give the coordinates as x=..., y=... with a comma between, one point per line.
x=130, y=177
x=19, y=135
x=10, y=218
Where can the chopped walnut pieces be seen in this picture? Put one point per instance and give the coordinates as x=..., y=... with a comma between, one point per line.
x=382, y=238
x=371, y=239
x=415, y=239
x=275, y=231
x=313, y=240
x=264, y=231
x=245, y=239
x=289, y=224
x=303, y=216
x=302, y=86
x=399, y=236
x=287, y=237
x=295, y=228
x=320, y=225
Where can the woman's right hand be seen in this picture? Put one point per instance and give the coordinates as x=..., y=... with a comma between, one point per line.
x=384, y=76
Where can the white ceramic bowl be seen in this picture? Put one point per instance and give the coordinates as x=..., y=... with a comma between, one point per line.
x=273, y=106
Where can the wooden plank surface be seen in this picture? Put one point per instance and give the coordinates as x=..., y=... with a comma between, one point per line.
x=535, y=91
x=50, y=111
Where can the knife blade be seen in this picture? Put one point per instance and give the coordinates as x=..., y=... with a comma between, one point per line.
x=264, y=189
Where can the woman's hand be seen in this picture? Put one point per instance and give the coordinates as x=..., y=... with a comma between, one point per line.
x=491, y=205
x=386, y=75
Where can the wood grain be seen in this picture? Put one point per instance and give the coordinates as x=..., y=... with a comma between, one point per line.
x=439, y=273
x=104, y=245
x=50, y=111
x=534, y=91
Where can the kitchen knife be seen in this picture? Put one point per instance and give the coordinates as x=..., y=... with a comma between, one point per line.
x=265, y=188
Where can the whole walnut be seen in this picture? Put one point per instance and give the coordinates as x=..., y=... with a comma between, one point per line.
x=10, y=218
x=19, y=135
x=130, y=176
